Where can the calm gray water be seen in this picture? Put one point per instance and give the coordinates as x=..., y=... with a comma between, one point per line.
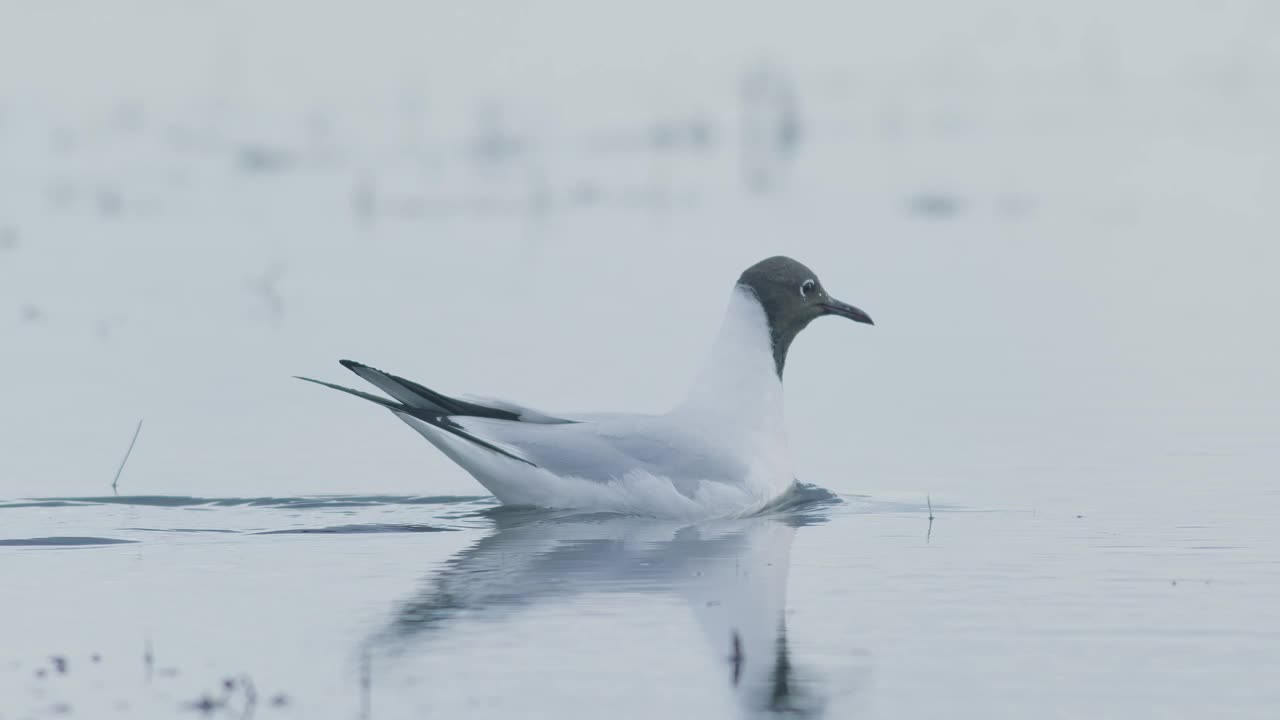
x=855, y=606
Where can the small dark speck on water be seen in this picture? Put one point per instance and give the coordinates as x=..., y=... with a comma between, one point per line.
x=59, y=664
x=263, y=159
x=31, y=313
x=40, y=672
x=934, y=205
x=205, y=704
x=280, y=700
x=95, y=658
x=109, y=202
x=8, y=238
x=1079, y=516
x=366, y=686
x=60, y=709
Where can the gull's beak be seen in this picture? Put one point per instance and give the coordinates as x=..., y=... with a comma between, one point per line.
x=835, y=307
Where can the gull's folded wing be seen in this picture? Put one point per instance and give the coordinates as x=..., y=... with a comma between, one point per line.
x=416, y=396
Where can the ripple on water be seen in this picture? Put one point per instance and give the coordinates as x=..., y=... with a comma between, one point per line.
x=63, y=541
x=315, y=501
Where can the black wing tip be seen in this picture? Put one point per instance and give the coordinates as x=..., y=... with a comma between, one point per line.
x=435, y=400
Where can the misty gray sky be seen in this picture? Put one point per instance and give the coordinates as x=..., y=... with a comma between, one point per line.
x=77, y=50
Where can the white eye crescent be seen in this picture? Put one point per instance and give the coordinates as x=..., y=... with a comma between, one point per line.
x=807, y=287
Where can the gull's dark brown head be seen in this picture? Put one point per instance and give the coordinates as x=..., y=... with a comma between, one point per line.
x=792, y=297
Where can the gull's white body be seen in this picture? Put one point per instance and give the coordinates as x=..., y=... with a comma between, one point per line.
x=721, y=452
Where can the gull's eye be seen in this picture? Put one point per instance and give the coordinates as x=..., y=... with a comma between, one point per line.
x=807, y=288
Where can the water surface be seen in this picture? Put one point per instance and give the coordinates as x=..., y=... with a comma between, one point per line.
x=388, y=606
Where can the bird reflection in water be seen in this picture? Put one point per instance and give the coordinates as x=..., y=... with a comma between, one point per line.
x=732, y=573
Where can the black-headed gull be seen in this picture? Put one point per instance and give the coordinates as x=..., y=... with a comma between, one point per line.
x=720, y=452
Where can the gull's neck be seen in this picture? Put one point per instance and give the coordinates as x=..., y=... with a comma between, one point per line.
x=740, y=381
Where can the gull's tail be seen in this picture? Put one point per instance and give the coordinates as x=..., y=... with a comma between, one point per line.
x=418, y=397
x=415, y=401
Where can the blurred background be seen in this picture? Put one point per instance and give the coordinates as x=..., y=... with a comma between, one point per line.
x=1061, y=215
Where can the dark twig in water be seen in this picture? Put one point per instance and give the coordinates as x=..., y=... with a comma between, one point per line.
x=209, y=703
x=250, y=696
x=127, y=453
x=736, y=657
x=928, y=536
